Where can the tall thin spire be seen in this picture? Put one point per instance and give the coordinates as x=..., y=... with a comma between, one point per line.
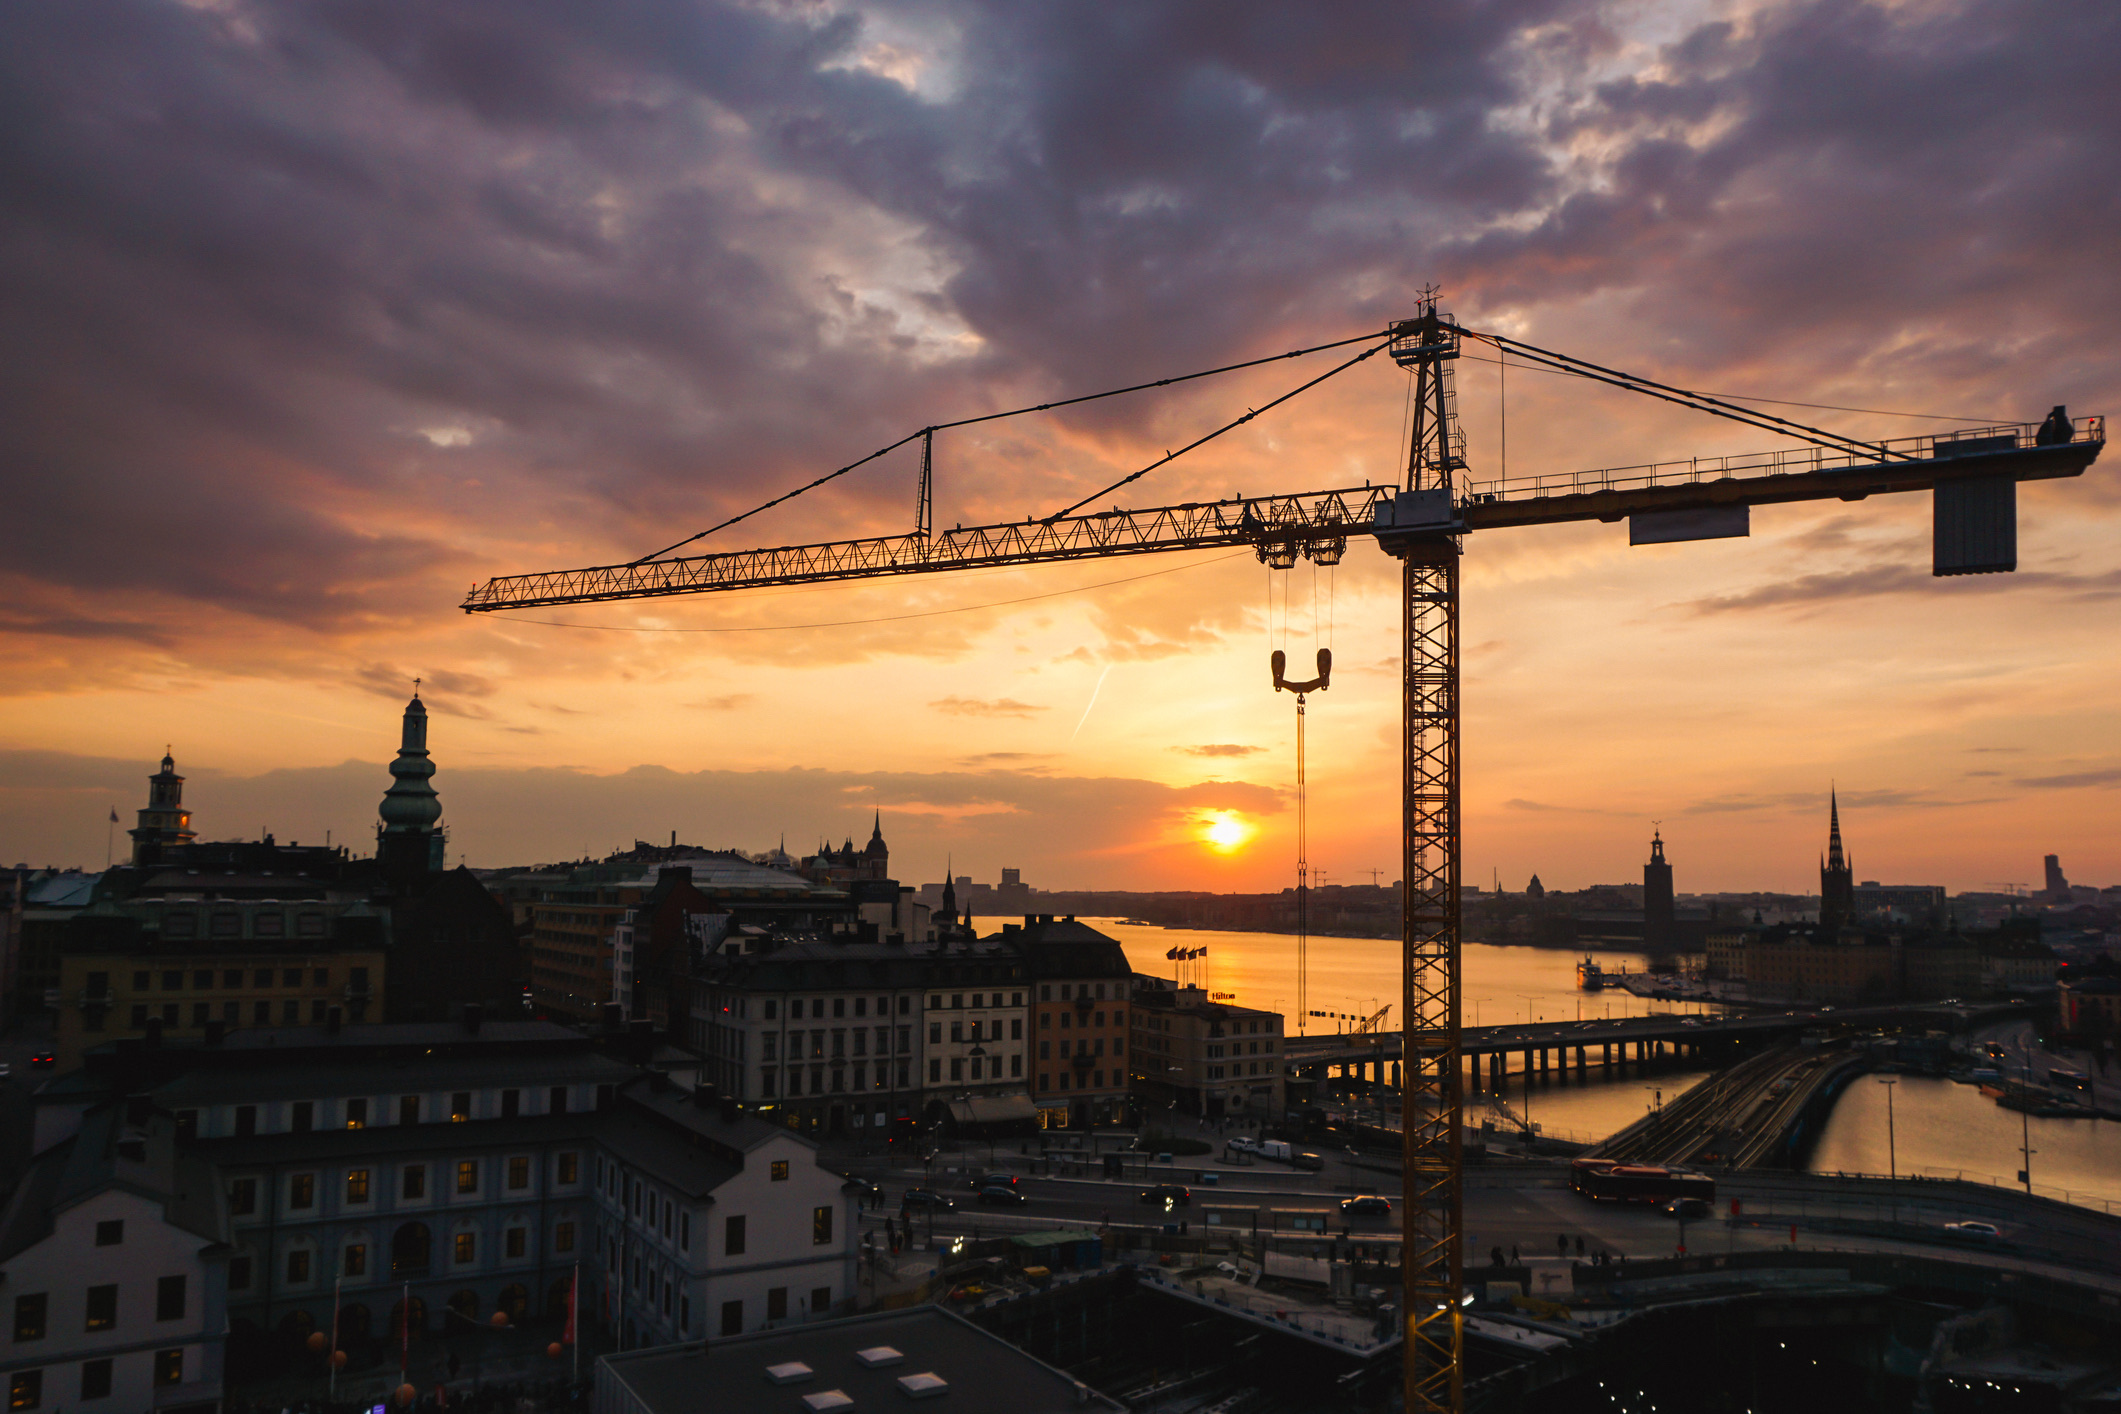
x=1834, y=856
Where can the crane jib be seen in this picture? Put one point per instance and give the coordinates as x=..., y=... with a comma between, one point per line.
x=1290, y=521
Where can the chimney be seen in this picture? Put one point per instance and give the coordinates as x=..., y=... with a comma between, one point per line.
x=731, y=1109
x=152, y=1039
x=334, y=1018
x=474, y=1017
x=216, y=1032
x=703, y=1095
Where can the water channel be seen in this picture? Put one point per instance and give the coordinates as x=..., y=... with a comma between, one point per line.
x=1939, y=1127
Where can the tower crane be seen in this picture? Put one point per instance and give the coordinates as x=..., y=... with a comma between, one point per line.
x=1423, y=522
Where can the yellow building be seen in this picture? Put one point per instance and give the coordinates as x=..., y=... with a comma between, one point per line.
x=1203, y=1057
x=190, y=967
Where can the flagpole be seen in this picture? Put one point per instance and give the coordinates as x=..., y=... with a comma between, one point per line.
x=332, y=1387
x=110, y=839
x=574, y=1319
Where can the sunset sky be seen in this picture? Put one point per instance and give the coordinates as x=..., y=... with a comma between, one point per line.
x=312, y=315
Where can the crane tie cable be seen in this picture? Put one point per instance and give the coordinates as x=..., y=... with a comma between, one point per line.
x=1250, y=413
x=1019, y=412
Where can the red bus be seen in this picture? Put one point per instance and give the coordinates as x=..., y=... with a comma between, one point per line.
x=1606, y=1181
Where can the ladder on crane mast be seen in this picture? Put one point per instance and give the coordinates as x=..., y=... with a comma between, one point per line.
x=1423, y=523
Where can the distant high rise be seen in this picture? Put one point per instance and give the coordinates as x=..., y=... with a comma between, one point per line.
x=1657, y=898
x=1837, y=875
x=409, y=845
x=2057, y=885
x=164, y=821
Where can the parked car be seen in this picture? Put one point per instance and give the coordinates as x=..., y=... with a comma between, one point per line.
x=1687, y=1208
x=926, y=1198
x=44, y=1060
x=1972, y=1228
x=1242, y=1145
x=1003, y=1195
x=1369, y=1205
x=1168, y=1196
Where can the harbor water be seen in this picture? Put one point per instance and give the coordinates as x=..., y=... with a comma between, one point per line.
x=1940, y=1127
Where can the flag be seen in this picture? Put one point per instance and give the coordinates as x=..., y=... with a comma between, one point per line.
x=1171, y=955
x=1204, y=951
x=114, y=814
x=573, y=1295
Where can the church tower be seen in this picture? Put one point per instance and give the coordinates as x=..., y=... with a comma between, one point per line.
x=876, y=855
x=1837, y=875
x=164, y=821
x=408, y=843
x=1657, y=908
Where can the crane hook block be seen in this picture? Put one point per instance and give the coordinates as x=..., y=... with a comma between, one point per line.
x=1324, y=680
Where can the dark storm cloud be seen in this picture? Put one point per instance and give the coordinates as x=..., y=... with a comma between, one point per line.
x=310, y=313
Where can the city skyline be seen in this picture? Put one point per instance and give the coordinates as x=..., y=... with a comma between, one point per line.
x=323, y=445
x=304, y=797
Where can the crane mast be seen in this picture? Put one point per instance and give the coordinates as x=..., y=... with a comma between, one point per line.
x=1422, y=523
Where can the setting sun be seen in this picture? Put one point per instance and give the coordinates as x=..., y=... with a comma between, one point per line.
x=1225, y=830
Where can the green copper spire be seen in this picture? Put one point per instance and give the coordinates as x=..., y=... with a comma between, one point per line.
x=411, y=806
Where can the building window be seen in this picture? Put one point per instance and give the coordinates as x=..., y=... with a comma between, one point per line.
x=570, y=1167
x=820, y=1299
x=820, y=1227
x=935, y=1072
x=297, y=1266
x=356, y=1259
x=556, y=1103
x=201, y=1013
x=305, y=1116
x=733, y=1236
x=239, y=1274
x=139, y=1018
x=732, y=1318
x=957, y=1068
x=30, y=1316
x=110, y=1233
x=261, y=1013
x=243, y=1195
x=467, y=1246
x=468, y=1176
x=779, y=1172
x=169, y=1298
x=415, y=1181
x=408, y=1109
x=684, y=1232
x=291, y=1012
x=357, y=1185
x=357, y=1113
x=25, y=1389
x=460, y=1106
x=1016, y=1065
x=95, y=1379
x=301, y=1190
x=563, y=1237
x=519, y=1172
x=777, y=1303
x=514, y=1242
x=169, y=1368
x=511, y=1103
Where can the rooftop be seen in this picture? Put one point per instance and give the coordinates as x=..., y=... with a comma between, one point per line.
x=981, y=1371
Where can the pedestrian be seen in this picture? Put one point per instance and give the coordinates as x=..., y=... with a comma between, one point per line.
x=1561, y=1245
x=1579, y=1248
x=1495, y=1257
x=1515, y=1260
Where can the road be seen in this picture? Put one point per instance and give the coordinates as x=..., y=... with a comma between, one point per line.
x=1527, y=1210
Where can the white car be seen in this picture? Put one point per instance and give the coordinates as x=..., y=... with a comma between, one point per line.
x=1973, y=1229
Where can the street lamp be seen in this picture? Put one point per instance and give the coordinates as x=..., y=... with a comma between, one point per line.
x=1528, y=1140
x=1892, y=1162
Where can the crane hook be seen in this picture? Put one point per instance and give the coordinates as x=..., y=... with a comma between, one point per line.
x=1324, y=680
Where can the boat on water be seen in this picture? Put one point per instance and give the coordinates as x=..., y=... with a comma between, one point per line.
x=1589, y=975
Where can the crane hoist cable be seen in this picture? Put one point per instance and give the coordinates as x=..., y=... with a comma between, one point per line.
x=1279, y=558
